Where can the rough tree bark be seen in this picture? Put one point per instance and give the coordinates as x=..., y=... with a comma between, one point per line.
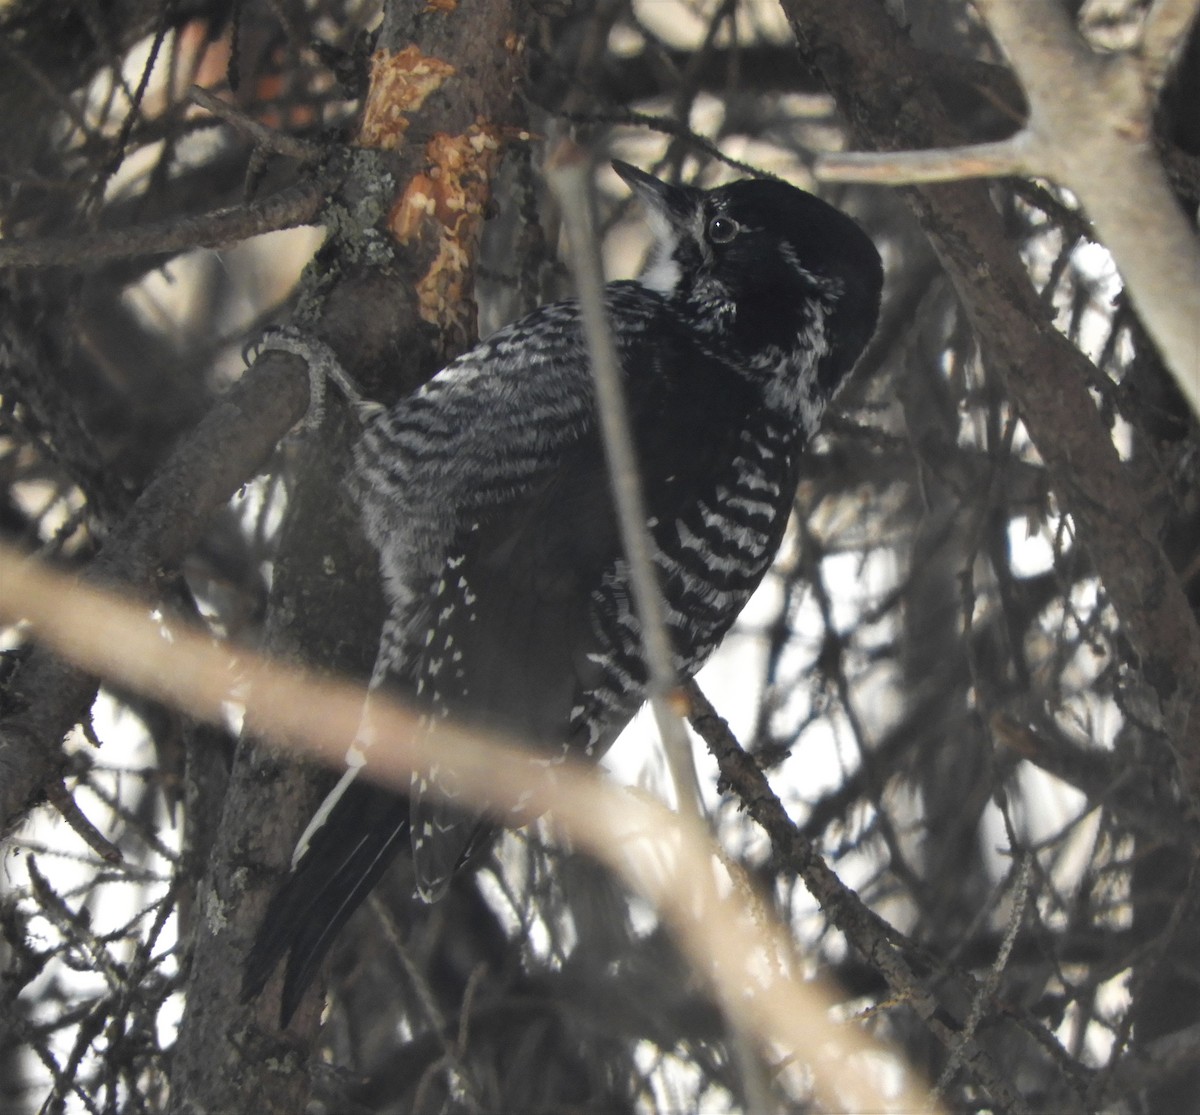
x=394, y=300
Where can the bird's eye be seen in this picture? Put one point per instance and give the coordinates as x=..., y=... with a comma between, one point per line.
x=723, y=229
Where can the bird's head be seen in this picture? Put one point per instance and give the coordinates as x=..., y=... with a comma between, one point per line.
x=768, y=269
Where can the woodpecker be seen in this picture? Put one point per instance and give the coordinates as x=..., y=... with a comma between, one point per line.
x=486, y=495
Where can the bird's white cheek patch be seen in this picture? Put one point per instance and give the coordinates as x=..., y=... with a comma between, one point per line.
x=664, y=273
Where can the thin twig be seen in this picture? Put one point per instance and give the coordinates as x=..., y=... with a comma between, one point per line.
x=568, y=174
x=987, y=986
x=663, y=124
x=451, y=1059
x=60, y=797
x=278, y=143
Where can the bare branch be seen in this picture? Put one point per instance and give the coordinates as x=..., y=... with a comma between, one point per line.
x=1091, y=119
x=987, y=987
x=1014, y=156
x=296, y=205
x=869, y=934
x=1032, y=37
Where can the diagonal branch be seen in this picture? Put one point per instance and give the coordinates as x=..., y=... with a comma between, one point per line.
x=863, y=928
x=669, y=863
x=295, y=205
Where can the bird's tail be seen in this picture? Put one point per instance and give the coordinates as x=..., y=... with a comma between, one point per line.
x=344, y=858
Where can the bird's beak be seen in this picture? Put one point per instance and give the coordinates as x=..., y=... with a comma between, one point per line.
x=658, y=196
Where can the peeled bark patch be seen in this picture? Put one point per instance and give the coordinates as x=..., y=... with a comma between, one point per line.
x=447, y=201
x=400, y=83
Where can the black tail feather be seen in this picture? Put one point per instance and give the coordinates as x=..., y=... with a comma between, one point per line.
x=345, y=858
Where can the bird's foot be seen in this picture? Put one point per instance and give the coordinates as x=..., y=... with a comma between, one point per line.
x=323, y=366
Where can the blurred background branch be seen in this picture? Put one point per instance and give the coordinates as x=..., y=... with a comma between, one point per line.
x=659, y=855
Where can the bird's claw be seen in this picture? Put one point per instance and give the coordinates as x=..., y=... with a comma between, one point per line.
x=323, y=366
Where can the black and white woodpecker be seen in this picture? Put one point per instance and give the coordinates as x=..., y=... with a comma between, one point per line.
x=487, y=496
